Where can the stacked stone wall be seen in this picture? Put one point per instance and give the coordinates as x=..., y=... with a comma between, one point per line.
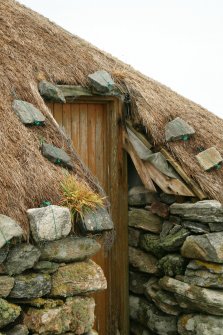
x=45, y=284
x=176, y=265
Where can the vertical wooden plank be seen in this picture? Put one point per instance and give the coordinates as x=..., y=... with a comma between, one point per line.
x=67, y=118
x=58, y=113
x=75, y=126
x=50, y=105
x=83, y=130
x=91, y=135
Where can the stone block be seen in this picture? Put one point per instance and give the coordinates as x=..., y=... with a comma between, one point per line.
x=69, y=249
x=46, y=266
x=96, y=221
x=49, y=223
x=145, y=220
x=172, y=265
x=18, y=330
x=20, y=258
x=8, y=312
x=51, y=92
x=151, y=243
x=9, y=229
x=198, y=324
x=56, y=155
x=142, y=261
x=178, y=129
x=6, y=285
x=134, y=236
x=209, y=159
x=160, y=209
x=102, y=81
x=27, y=113
x=78, y=278
x=137, y=281
x=140, y=196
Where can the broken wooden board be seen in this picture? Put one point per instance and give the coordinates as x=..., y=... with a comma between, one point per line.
x=140, y=167
x=193, y=186
x=139, y=135
x=74, y=91
x=141, y=149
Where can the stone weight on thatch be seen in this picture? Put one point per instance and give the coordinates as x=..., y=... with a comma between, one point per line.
x=178, y=129
x=209, y=159
x=49, y=223
x=56, y=155
x=102, y=81
x=96, y=221
x=9, y=229
x=27, y=113
x=51, y=92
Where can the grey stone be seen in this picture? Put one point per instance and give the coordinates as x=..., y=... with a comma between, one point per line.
x=49, y=223
x=145, y=220
x=175, y=238
x=207, y=247
x=151, y=243
x=78, y=278
x=136, y=282
x=102, y=81
x=8, y=312
x=172, y=265
x=27, y=113
x=3, y=253
x=69, y=249
x=209, y=159
x=194, y=297
x=134, y=236
x=51, y=92
x=56, y=155
x=18, y=330
x=198, y=324
x=76, y=315
x=196, y=227
x=92, y=332
x=163, y=300
x=46, y=267
x=142, y=261
x=166, y=228
x=203, y=211
x=96, y=221
x=168, y=199
x=140, y=196
x=137, y=329
x=31, y=286
x=149, y=316
x=178, y=129
x=207, y=266
x=215, y=226
x=9, y=229
x=203, y=278
x=21, y=257
x=6, y=285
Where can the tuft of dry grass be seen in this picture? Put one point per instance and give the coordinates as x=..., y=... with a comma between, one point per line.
x=78, y=196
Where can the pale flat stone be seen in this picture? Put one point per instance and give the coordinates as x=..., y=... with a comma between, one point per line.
x=142, y=261
x=51, y=92
x=207, y=266
x=27, y=113
x=102, y=81
x=49, y=223
x=177, y=129
x=209, y=158
x=145, y=220
x=203, y=278
x=78, y=278
x=198, y=324
x=9, y=229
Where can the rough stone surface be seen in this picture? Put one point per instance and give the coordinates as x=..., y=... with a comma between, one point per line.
x=18, y=330
x=145, y=220
x=209, y=158
x=76, y=315
x=197, y=324
x=175, y=238
x=168, y=199
x=51, y=92
x=6, y=285
x=151, y=243
x=203, y=278
x=177, y=129
x=69, y=249
x=207, y=266
x=134, y=236
x=142, y=261
x=148, y=315
x=49, y=223
x=197, y=227
x=140, y=196
x=21, y=257
x=9, y=229
x=207, y=247
x=203, y=211
x=137, y=281
x=137, y=329
x=194, y=297
x=97, y=220
x=27, y=113
x=172, y=265
x=160, y=209
x=46, y=267
x=102, y=81
x=78, y=278
x=31, y=286
x=8, y=312
x=4, y=253
x=56, y=155
x=163, y=300
x=215, y=226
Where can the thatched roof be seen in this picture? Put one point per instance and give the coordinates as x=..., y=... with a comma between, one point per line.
x=30, y=44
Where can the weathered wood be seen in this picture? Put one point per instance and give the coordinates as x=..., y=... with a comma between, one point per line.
x=74, y=91
x=142, y=150
x=140, y=166
x=193, y=186
x=139, y=135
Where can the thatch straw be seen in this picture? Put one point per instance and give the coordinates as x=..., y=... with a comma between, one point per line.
x=31, y=44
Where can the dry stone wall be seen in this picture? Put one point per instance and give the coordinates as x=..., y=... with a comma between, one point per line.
x=176, y=265
x=44, y=284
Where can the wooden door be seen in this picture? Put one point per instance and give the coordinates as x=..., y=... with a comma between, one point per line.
x=93, y=128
